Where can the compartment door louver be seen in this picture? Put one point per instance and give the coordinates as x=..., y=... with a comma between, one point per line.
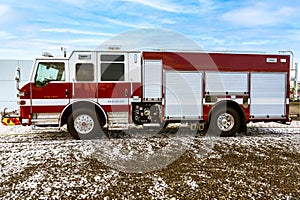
x=183, y=95
x=152, y=80
x=268, y=95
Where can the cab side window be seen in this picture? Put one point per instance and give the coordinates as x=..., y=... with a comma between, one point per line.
x=49, y=72
x=112, y=67
x=84, y=72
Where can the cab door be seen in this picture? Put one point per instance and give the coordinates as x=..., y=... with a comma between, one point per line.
x=50, y=91
x=83, y=73
x=114, y=90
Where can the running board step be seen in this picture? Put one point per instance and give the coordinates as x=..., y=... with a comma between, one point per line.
x=117, y=120
x=44, y=122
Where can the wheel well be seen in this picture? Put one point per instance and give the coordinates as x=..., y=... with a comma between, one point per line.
x=232, y=104
x=83, y=104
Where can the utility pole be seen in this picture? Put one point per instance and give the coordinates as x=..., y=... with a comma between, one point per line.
x=296, y=82
x=295, y=85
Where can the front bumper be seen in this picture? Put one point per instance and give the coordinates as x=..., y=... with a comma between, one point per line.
x=10, y=117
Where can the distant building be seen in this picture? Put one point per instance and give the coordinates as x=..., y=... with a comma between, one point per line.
x=8, y=97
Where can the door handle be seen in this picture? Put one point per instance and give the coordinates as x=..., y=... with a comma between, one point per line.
x=67, y=93
x=126, y=92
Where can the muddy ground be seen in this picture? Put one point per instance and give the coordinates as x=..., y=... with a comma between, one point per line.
x=52, y=165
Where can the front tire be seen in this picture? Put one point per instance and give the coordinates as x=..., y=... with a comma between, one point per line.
x=85, y=123
x=224, y=122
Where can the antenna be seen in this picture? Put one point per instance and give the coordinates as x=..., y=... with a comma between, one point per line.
x=64, y=50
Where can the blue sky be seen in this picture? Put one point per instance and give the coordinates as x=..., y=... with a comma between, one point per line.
x=29, y=27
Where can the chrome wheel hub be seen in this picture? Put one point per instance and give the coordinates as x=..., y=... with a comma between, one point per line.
x=225, y=122
x=83, y=124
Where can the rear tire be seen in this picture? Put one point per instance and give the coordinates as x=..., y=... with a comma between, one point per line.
x=85, y=123
x=224, y=122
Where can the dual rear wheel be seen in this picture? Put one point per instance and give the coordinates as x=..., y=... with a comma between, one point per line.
x=224, y=122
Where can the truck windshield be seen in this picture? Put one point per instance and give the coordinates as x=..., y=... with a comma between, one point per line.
x=47, y=72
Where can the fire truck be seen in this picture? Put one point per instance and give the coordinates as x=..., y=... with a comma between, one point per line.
x=93, y=91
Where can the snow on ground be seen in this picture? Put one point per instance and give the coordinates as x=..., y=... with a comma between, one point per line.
x=52, y=165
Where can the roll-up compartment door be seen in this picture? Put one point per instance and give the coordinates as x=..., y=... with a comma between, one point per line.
x=152, y=80
x=226, y=83
x=268, y=95
x=183, y=95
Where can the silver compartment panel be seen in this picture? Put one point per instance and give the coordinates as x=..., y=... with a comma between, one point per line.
x=226, y=83
x=268, y=95
x=152, y=80
x=183, y=95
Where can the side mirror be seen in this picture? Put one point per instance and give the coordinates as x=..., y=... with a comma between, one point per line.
x=18, y=77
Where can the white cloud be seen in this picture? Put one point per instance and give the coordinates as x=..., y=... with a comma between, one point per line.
x=206, y=5
x=163, y=5
x=153, y=38
x=7, y=15
x=83, y=42
x=6, y=35
x=75, y=3
x=74, y=31
x=258, y=14
x=4, y=9
x=167, y=21
x=126, y=24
